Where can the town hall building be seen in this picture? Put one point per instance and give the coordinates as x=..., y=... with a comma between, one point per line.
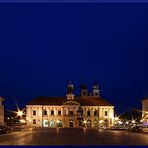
x=85, y=110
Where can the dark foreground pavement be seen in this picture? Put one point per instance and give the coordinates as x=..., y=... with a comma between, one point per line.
x=73, y=136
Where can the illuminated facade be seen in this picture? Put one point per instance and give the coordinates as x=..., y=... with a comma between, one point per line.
x=71, y=111
x=1, y=111
x=145, y=110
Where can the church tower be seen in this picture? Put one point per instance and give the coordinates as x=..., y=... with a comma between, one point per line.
x=83, y=90
x=95, y=91
x=70, y=91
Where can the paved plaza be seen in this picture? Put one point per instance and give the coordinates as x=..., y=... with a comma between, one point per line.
x=73, y=136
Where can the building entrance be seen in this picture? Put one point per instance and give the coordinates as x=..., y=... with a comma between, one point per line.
x=52, y=123
x=45, y=123
x=70, y=123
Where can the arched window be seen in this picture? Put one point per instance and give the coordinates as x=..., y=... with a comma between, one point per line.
x=88, y=123
x=95, y=123
x=45, y=123
x=52, y=124
x=106, y=122
x=70, y=123
x=59, y=123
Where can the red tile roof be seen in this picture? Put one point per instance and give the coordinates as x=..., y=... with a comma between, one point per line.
x=47, y=101
x=84, y=101
x=93, y=101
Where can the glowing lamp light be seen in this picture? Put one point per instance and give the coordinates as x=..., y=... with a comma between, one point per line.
x=85, y=121
x=116, y=118
x=29, y=120
x=22, y=121
x=127, y=122
x=120, y=122
x=19, y=113
x=58, y=121
x=133, y=121
x=100, y=121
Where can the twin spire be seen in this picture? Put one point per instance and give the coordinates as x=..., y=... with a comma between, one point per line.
x=84, y=89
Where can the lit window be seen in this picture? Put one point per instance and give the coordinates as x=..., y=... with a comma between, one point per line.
x=64, y=112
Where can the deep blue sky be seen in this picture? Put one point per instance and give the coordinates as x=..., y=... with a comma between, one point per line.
x=43, y=46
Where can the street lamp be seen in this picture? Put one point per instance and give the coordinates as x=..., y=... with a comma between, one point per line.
x=120, y=122
x=20, y=113
x=85, y=121
x=116, y=118
x=127, y=122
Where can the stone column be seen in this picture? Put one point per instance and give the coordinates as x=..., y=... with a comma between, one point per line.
x=98, y=114
x=54, y=111
x=103, y=113
x=66, y=110
x=108, y=114
x=61, y=111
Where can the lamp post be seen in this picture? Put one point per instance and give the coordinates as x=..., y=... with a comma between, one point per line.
x=20, y=113
x=116, y=119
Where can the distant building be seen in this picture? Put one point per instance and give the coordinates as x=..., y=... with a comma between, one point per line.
x=1, y=111
x=145, y=110
x=71, y=110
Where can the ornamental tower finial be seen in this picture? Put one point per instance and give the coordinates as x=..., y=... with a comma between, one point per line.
x=95, y=90
x=70, y=91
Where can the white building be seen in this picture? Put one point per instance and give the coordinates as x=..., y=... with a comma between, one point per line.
x=145, y=110
x=71, y=111
x=1, y=111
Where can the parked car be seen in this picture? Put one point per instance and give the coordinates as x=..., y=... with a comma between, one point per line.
x=135, y=128
x=5, y=129
x=144, y=129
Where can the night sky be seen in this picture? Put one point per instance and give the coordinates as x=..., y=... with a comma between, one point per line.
x=43, y=46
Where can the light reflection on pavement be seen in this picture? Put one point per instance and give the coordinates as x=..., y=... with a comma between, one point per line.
x=73, y=136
